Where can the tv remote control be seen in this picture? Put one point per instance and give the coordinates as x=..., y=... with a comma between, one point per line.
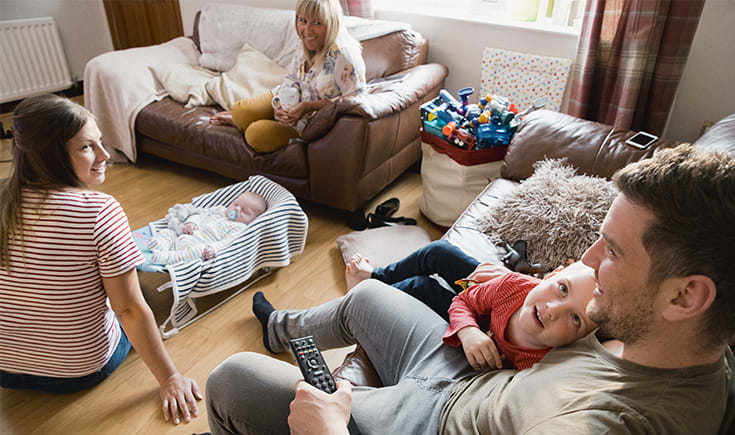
x=315, y=370
x=312, y=365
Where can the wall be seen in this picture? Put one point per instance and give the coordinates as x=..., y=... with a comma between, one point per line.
x=707, y=89
x=456, y=43
x=82, y=26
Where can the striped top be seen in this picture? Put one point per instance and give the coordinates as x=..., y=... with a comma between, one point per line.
x=493, y=302
x=55, y=317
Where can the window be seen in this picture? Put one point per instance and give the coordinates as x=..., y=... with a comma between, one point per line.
x=534, y=13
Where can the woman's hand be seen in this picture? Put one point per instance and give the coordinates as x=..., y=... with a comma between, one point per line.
x=479, y=348
x=300, y=110
x=284, y=117
x=315, y=412
x=487, y=271
x=222, y=118
x=179, y=395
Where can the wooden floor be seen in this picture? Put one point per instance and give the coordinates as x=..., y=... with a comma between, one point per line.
x=128, y=402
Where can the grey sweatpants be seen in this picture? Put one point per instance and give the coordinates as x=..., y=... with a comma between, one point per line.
x=250, y=392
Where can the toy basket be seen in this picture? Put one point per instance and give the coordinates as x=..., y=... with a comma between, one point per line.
x=452, y=177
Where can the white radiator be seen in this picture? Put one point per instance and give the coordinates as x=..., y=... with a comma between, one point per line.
x=33, y=60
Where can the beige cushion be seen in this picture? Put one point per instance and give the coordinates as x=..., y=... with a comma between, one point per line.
x=385, y=245
x=253, y=74
x=185, y=83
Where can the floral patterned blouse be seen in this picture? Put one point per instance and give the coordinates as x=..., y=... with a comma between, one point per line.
x=340, y=72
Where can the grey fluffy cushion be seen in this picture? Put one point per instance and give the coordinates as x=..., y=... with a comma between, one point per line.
x=557, y=212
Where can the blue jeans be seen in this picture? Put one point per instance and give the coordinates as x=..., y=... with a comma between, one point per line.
x=411, y=274
x=49, y=384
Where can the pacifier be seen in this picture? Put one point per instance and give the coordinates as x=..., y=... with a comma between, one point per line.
x=232, y=214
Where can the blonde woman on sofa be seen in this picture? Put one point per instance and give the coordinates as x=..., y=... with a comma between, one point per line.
x=69, y=291
x=328, y=64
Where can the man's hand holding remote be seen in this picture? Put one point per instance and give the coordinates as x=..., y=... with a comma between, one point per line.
x=315, y=412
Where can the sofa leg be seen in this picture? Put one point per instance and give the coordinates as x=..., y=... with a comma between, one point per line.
x=356, y=220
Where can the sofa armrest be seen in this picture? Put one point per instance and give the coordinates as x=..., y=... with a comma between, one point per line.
x=379, y=101
x=390, y=98
x=591, y=147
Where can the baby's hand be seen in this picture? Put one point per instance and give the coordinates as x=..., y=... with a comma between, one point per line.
x=188, y=228
x=208, y=253
x=479, y=348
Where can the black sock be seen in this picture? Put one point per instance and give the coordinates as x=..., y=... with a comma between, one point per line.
x=263, y=309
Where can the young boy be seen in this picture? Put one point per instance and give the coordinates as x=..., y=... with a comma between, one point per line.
x=525, y=322
x=195, y=233
x=526, y=316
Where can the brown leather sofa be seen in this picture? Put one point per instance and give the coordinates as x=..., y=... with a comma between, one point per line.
x=354, y=147
x=593, y=148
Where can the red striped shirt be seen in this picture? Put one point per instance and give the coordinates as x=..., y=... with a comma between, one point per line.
x=494, y=302
x=55, y=318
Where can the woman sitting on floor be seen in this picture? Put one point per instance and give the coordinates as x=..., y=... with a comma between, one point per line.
x=67, y=265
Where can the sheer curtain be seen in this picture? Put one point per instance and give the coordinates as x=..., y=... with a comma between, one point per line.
x=630, y=58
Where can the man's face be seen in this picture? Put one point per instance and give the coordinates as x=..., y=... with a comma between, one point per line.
x=623, y=304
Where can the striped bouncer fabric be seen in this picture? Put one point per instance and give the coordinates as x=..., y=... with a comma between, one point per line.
x=269, y=241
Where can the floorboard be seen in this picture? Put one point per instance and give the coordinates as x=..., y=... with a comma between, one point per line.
x=128, y=402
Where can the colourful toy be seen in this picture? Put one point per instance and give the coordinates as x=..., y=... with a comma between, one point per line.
x=464, y=95
x=500, y=107
x=490, y=135
x=461, y=138
x=452, y=103
x=489, y=123
x=434, y=127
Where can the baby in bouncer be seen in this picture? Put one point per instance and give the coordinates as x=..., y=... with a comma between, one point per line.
x=199, y=232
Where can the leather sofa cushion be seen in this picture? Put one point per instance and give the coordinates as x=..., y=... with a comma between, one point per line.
x=466, y=231
x=593, y=148
x=192, y=134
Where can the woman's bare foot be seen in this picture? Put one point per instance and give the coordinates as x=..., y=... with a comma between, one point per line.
x=221, y=118
x=357, y=270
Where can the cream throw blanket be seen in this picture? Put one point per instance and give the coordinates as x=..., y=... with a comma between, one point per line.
x=119, y=84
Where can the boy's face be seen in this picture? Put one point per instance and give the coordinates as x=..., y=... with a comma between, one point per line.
x=245, y=208
x=554, y=312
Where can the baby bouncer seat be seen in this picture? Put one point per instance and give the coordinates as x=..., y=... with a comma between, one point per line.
x=269, y=241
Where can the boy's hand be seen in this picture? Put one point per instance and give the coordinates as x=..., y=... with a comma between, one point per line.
x=479, y=348
x=487, y=271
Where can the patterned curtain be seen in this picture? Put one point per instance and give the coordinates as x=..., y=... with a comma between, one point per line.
x=358, y=8
x=630, y=58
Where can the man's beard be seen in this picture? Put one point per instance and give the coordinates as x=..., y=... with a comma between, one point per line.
x=627, y=327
